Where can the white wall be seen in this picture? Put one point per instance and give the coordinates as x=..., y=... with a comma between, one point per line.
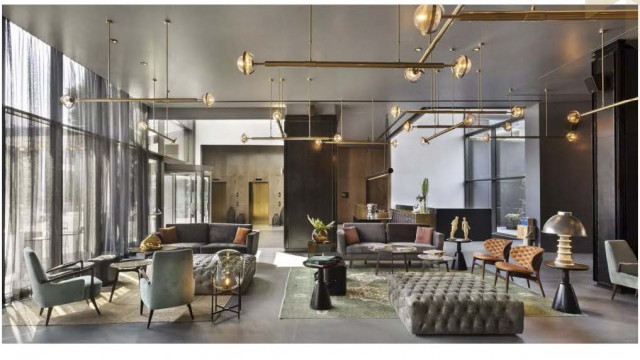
x=229, y=132
x=442, y=162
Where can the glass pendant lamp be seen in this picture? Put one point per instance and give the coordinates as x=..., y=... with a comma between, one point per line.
x=427, y=18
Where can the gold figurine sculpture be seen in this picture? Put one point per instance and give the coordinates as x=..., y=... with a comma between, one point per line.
x=454, y=228
x=465, y=228
x=151, y=242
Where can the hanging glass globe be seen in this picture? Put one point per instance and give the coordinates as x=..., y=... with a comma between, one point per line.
x=507, y=126
x=245, y=63
x=469, y=119
x=572, y=136
x=277, y=115
x=394, y=143
x=461, y=67
x=486, y=137
x=143, y=126
x=427, y=18
x=337, y=137
x=318, y=142
x=395, y=111
x=412, y=75
x=228, y=270
x=244, y=138
x=68, y=101
x=423, y=140
x=573, y=117
x=517, y=112
x=407, y=126
x=208, y=100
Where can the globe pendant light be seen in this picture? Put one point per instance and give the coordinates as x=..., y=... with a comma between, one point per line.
x=517, y=112
x=507, y=126
x=68, y=101
x=395, y=111
x=573, y=117
x=412, y=75
x=572, y=136
x=407, y=126
x=394, y=143
x=208, y=100
x=469, y=119
x=277, y=115
x=461, y=67
x=427, y=18
x=486, y=137
x=245, y=63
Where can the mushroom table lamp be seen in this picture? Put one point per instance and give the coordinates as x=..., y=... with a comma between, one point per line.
x=565, y=225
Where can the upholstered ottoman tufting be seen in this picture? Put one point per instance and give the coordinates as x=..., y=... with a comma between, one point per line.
x=439, y=303
x=202, y=268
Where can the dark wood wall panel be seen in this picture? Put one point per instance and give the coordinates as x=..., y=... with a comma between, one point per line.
x=309, y=179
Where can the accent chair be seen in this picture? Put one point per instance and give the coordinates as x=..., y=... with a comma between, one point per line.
x=59, y=289
x=528, y=260
x=497, y=250
x=622, y=264
x=171, y=283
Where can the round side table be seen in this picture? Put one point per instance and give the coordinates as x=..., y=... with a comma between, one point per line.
x=127, y=266
x=320, y=299
x=458, y=258
x=565, y=299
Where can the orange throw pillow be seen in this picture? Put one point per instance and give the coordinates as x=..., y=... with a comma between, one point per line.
x=241, y=236
x=424, y=235
x=169, y=235
x=351, y=236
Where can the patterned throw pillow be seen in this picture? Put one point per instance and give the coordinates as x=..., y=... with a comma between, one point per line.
x=424, y=235
x=351, y=236
x=241, y=236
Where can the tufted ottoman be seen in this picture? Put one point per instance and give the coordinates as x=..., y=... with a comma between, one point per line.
x=202, y=268
x=439, y=303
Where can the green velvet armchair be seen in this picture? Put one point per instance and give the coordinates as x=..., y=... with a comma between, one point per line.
x=171, y=283
x=622, y=265
x=53, y=290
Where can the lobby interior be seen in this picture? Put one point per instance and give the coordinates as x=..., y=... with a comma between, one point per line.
x=320, y=174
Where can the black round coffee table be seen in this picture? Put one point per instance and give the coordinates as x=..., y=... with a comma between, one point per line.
x=459, y=263
x=565, y=299
x=320, y=299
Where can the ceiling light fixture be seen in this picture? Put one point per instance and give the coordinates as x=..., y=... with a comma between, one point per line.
x=469, y=119
x=507, y=126
x=461, y=67
x=407, y=126
x=395, y=111
x=394, y=143
x=426, y=18
x=412, y=74
x=486, y=137
x=542, y=15
x=572, y=136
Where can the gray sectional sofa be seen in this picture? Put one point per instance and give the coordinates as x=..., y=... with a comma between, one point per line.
x=380, y=233
x=204, y=238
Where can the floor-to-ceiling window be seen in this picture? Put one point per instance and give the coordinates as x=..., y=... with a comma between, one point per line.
x=75, y=179
x=495, y=173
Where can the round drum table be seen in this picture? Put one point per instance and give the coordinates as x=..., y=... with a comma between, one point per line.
x=565, y=299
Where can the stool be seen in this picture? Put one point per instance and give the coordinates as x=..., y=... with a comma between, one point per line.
x=336, y=279
x=102, y=270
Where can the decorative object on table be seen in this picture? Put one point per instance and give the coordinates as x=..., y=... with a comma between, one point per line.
x=622, y=265
x=227, y=276
x=435, y=259
x=315, y=248
x=319, y=234
x=454, y=228
x=422, y=198
x=465, y=228
x=60, y=289
x=499, y=313
x=459, y=263
x=151, y=242
x=565, y=225
x=171, y=282
x=129, y=265
x=527, y=265
x=511, y=221
x=565, y=299
x=497, y=250
x=372, y=209
x=434, y=253
x=320, y=299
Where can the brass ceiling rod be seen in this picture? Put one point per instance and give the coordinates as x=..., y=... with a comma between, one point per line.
x=426, y=140
x=447, y=126
x=354, y=64
x=443, y=29
x=458, y=111
x=543, y=15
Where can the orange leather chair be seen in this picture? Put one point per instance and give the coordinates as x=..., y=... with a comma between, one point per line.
x=497, y=250
x=527, y=265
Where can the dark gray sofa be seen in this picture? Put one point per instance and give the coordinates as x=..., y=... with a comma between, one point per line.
x=211, y=238
x=379, y=233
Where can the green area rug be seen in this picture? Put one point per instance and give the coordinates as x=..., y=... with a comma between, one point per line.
x=367, y=297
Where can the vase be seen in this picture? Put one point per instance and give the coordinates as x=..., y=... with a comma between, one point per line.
x=319, y=236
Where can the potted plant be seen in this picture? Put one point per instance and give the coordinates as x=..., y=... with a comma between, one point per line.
x=422, y=198
x=319, y=234
x=512, y=221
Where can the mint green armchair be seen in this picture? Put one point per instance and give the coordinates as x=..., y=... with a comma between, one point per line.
x=622, y=265
x=49, y=291
x=171, y=283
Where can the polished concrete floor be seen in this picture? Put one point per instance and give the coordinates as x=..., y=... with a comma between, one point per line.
x=606, y=321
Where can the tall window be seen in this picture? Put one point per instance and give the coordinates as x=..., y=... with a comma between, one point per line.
x=495, y=174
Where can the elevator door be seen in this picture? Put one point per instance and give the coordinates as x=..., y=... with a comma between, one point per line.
x=219, y=202
x=259, y=203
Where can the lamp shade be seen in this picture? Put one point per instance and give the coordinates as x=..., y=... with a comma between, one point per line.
x=565, y=224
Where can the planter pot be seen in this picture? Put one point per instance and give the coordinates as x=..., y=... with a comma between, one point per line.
x=319, y=236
